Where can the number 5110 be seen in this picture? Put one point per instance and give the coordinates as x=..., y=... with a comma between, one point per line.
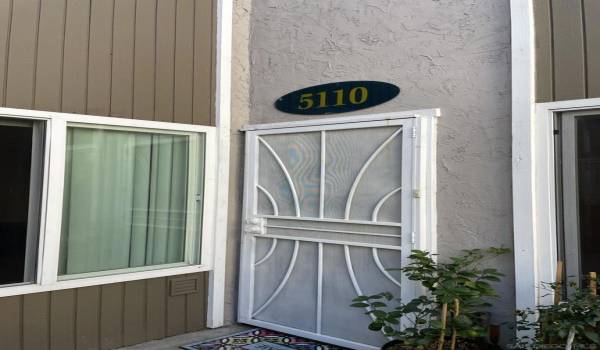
x=356, y=96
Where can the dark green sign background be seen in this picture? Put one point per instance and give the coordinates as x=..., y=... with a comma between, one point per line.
x=339, y=97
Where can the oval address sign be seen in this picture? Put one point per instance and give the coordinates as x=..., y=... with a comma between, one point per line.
x=339, y=97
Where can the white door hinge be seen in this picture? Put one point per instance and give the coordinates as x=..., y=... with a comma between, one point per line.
x=413, y=241
x=417, y=193
x=414, y=132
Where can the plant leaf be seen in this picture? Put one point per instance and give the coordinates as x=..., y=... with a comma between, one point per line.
x=592, y=335
x=376, y=326
x=359, y=305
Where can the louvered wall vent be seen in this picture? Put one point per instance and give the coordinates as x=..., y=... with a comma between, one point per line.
x=184, y=285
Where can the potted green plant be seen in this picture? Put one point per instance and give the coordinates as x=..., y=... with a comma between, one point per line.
x=448, y=316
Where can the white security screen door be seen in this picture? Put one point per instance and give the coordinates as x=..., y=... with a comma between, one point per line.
x=329, y=206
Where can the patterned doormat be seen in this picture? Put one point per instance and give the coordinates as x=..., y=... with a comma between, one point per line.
x=260, y=339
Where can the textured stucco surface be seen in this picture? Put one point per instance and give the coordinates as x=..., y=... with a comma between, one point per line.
x=451, y=54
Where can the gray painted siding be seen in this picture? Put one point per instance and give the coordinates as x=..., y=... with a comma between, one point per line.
x=567, y=41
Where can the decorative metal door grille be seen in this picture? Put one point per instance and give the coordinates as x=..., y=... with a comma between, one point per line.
x=328, y=209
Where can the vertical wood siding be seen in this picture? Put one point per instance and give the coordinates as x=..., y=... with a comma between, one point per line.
x=567, y=49
x=101, y=317
x=143, y=59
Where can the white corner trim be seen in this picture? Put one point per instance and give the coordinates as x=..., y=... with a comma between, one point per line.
x=523, y=166
x=427, y=185
x=216, y=289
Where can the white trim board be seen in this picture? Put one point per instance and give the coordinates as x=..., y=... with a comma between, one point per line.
x=101, y=120
x=216, y=283
x=523, y=94
x=100, y=280
x=433, y=112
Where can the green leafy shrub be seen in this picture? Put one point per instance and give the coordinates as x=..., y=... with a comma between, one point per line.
x=571, y=323
x=451, y=310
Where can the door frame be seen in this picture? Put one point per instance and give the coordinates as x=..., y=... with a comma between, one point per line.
x=424, y=220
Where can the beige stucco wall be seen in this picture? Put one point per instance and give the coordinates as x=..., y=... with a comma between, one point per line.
x=451, y=54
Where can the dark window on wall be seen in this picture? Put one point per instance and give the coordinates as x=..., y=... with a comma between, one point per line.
x=588, y=154
x=578, y=172
x=19, y=200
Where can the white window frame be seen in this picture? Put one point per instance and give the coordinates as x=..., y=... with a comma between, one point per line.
x=54, y=157
x=570, y=214
x=192, y=256
x=538, y=238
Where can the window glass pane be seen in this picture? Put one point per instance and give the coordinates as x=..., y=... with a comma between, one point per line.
x=126, y=199
x=578, y=180
x=588, y=154
x=19, y=204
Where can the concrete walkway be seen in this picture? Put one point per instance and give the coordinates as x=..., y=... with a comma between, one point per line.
x=174, y=343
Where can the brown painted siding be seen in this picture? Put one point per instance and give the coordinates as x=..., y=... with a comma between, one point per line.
x=101, y=317
x=143, y=59
x=567, y=49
